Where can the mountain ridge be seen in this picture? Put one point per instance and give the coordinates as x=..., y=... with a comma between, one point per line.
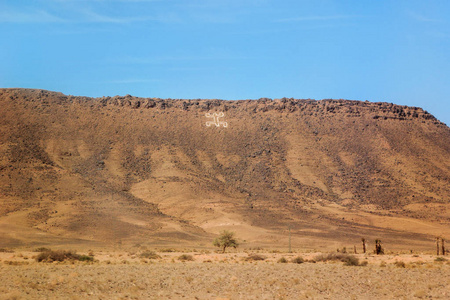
x=332, y=170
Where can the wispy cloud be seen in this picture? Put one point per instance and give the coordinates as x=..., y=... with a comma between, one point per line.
x=80, y=15
x=35, y=16
x=314, y=18
x=93, y=17
x=422, y=18
x=123, y=1
x=180, y=58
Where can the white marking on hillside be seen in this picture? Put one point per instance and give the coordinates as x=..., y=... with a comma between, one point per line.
x=216, y=121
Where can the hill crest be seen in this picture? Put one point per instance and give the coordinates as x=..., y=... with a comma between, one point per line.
x=332, y=170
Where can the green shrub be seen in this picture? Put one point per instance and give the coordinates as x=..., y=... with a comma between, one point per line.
x=186, y=257
x=149, y=254
x=298, y=260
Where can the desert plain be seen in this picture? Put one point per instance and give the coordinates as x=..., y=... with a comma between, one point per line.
x=237, y=274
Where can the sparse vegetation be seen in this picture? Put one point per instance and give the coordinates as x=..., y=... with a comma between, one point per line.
x=400, y=264
x=186, y=257
x=167, y=250
x=440, y=259
x=6, y=250
x=254, y=257
x=347, y=259
x=226, y=240
x=149, y=255
x=265, y=272
x=282, y=260
x=62, y=255
x=41, y=249
x=298, y=260
x=223, y=274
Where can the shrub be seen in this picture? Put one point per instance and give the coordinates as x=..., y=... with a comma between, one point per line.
x=400, y=264
x=186, y=257
x=15, y=263
x=61, y=255
x=440, y=259
x=282, y=260
x=149, y=254
x=6, y=250
x=298, y=260
x=254, y=257
x=85, y=258
x=167, y=250
x=41, y=249
x=347, y=259
x=351, y=260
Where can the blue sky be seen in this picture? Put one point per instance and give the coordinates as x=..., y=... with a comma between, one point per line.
x=394, y=51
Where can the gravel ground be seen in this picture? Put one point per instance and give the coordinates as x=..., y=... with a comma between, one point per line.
x=238, y=280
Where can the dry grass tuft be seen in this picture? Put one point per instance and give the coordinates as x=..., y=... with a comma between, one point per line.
x=254, y=257
x=186, y=257
x=440, y=259
x=5, y=250
x=282, y=260
x=167, y=250
x=298, y=260
x=347, y=259
x=149, y=254
x=400, y=264
x=42, y=249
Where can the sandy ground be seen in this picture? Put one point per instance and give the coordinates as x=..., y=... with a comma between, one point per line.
x=125, y=275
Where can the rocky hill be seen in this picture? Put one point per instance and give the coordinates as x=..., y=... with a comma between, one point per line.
x=110, y=170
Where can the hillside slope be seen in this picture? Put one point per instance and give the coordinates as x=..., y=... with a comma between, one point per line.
x=127, y=170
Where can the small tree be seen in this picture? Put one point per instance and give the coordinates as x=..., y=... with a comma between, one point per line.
x=225, y=240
